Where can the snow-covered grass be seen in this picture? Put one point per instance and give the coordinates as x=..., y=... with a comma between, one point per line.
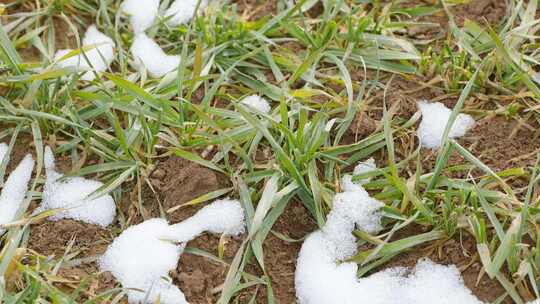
x=320, y=74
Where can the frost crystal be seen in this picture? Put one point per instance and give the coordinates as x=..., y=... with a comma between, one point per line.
x=181, y=11
x=142, y=13
x=321, y=279
x=70, y=196
x=147, y=54
x=98, y=55
x=255, y=102
x=435, y=116
x=14, y=191
x=142, y=256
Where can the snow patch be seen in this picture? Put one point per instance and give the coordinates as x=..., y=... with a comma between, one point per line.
x=321, y=279
x=255, y=102
x=15, y=188
x=181, y=11
x=99, y=51
x=142, y=13
x=365, y=167
x=147, y=54
x=361, y=168
x=435, y=116
x=3, y=151
x=142, y=256
x=71, y=194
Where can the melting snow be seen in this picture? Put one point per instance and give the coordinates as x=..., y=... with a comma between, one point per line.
x=362, y=168
x=255, y=102
x=71, y=196
x=320, y=279
x=142, y=256
x=365, y=167
x=435, y=116
x=149, y=55
x=99, y=55
x=14, y=191
x=181, y=11
x=142, y=13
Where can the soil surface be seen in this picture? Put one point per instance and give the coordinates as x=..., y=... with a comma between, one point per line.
x=435, y=25
x=52, y=238
x=255, y=9
x=280, y=255
x=503, y=143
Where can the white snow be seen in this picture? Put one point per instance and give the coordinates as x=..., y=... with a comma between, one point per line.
x=147, y=54
x=255, y=102
x=181, y=11
x=14, y=191
x=142, y=13
x=70, y=196
x=365, y=167
x=361, y=168
x=435, y=116
x=320, y=278
x=3, y=151
x=142, y=256
x=99, y=51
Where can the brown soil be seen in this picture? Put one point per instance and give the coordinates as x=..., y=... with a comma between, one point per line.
x=256, y=9
x=180, y=181
x=280, y=255
x=199, y=277
x=499, y=143
x=503, y=143
x=483, y=12
x=87, y=242
x=480, y=11
x=52, y=238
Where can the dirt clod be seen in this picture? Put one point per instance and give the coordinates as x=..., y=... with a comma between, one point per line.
x=52, y=238
x=180, y=181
